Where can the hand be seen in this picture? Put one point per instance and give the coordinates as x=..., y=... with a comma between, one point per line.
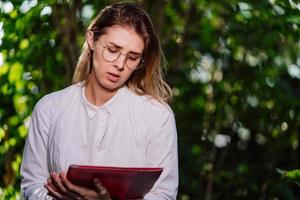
x=61, y=188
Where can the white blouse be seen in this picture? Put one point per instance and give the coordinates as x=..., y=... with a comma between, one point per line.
x=127, y=131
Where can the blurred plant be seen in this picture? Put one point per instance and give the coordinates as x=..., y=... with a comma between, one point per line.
x=292, y=175
x=234, y=67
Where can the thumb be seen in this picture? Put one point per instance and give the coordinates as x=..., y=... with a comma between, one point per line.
x=101, y=190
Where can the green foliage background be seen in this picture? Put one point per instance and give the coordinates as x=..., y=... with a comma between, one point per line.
x=234, y=67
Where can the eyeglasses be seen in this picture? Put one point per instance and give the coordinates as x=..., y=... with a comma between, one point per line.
x=111, y=53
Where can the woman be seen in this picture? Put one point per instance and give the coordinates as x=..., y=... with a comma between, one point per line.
x=115, y=113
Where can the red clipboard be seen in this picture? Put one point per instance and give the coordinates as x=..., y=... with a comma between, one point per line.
x=120, y=182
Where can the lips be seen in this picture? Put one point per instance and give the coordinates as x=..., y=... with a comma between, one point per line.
x=113, y=77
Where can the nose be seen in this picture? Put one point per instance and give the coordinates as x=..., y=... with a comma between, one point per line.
x=121, y=62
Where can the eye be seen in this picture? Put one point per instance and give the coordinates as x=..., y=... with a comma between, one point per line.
x=134, y=57
x=112, y=49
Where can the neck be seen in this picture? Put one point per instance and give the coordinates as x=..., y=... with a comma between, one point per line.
x=96, y=94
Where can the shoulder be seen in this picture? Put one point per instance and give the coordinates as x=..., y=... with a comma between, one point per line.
x=49, y=101
x=149, y=106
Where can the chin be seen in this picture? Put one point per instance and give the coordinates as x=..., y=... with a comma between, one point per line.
x=111, y=87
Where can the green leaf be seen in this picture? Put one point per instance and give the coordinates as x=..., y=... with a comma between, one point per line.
x=15, y=72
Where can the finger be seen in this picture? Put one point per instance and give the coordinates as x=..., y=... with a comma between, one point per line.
x=99, y=187
x=61, y=188
x=58, y=183
x=101, y=190
x=58, y=195
x=70, y=193
x=81, y=191
x=53, y=193
x=50, y=183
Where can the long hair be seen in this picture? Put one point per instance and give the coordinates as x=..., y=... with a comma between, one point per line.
x=147, y=80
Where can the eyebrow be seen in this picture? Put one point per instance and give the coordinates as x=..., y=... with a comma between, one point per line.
x=131, y=52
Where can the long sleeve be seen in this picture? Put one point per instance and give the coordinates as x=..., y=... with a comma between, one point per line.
x=162, y=152
x=34, y=168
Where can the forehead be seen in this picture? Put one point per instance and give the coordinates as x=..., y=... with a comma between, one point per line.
x=125, y=37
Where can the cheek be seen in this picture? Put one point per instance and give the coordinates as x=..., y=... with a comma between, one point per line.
x=99, y=65
x=127, y=75
x=97, y=60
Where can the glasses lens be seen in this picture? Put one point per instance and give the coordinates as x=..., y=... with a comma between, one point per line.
x=110, y=54
x=133, y=62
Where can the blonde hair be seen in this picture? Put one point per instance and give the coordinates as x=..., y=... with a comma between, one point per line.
x=147, y=80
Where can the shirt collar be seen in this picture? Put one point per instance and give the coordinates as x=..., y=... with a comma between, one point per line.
x=108, y=107
x=116, y=100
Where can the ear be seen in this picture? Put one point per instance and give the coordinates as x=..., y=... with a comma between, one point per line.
x=90, y=40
